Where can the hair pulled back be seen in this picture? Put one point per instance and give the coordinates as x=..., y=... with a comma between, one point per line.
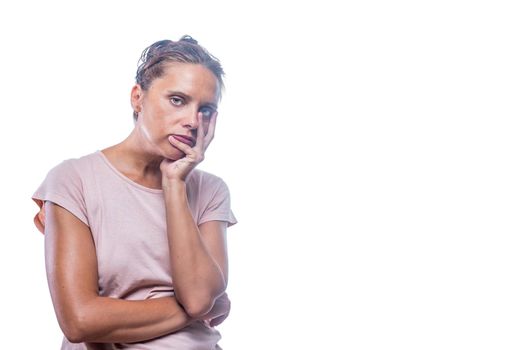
x=154, y=59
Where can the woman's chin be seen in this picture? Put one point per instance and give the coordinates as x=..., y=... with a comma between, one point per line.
x=174, y=154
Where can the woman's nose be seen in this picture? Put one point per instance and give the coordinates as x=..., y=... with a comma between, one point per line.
x=191, y=120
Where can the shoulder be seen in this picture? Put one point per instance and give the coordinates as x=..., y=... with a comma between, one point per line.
x=65, y=185
x=75, y=164
x=206, y=181
x=207, y=188
x=71, y=171
x=201, y=175
x=212, y=197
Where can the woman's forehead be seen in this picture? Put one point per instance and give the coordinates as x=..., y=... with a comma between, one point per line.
x=190, y=78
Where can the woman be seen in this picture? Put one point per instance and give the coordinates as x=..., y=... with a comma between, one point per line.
x=135, y=236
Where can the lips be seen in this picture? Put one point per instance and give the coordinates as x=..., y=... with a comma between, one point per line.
x=185, y=139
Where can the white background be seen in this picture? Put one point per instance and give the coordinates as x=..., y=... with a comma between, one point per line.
x=373, y=152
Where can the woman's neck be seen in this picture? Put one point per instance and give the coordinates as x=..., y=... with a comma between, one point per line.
x=132, y=159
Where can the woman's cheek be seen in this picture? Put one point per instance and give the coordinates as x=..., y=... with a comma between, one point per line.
x=145, y=132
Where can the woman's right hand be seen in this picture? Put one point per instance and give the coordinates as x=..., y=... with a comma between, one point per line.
x=219, y=312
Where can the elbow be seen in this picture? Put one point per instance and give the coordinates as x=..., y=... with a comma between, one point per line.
x=197, y=308
x=74, y=333
x=198, y=304
x=74, y=336
x=75, y=328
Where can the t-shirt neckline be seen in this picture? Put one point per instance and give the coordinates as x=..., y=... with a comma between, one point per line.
x=125, y=178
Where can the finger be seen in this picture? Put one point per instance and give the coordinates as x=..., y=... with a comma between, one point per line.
x=200, y=131
x=180, y=145
x=211, y=129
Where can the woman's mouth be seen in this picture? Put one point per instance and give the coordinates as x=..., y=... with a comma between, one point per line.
x=185, y=139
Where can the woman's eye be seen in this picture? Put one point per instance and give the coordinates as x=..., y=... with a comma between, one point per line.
x=177, y=101
x=207, y=112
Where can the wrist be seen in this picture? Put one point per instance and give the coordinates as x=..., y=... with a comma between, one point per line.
x=173, y=184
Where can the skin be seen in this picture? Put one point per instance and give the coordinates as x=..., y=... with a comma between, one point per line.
x=183, y=101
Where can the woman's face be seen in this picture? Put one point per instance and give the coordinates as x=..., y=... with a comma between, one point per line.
x=171, y=105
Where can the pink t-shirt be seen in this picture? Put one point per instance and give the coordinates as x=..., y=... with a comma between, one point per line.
x=128, y=224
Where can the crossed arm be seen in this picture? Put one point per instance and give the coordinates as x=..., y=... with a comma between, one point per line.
x=84, y=316
x=197, y=255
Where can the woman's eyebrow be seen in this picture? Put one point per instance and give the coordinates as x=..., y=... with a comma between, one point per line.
x=180, y=93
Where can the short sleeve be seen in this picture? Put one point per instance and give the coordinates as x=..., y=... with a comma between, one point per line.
x=219, y=204
x=62, y=186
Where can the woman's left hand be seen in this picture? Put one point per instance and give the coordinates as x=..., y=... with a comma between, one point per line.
x=178, y=170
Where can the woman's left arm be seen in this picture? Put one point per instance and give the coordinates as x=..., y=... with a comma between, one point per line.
x=198, y=254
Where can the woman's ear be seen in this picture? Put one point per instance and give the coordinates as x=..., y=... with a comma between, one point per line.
x=136, y=98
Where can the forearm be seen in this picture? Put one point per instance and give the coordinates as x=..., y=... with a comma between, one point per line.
x=197, y=277
x=109, y=320
x=83, y=315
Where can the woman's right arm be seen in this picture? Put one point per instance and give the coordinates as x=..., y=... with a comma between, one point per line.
x=83, y=315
